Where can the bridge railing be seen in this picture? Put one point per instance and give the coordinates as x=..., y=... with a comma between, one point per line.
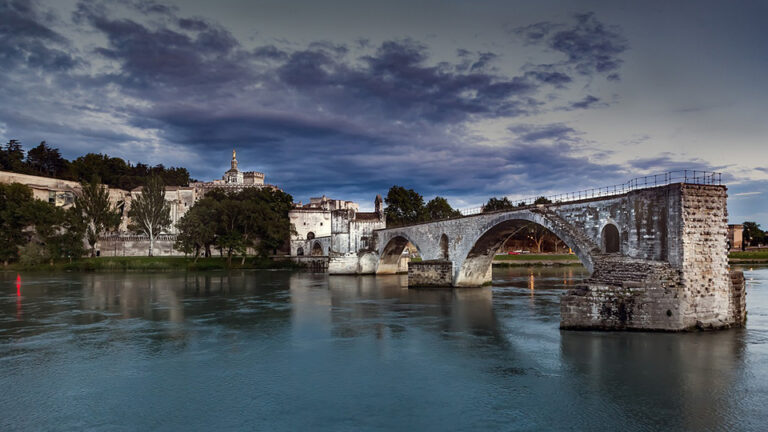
x=671, y=177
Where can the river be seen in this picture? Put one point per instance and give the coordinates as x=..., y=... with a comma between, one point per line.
x=283, y=351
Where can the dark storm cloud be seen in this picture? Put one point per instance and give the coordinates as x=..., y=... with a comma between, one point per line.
x=589, y=101
x=324, y=117
x=590, y=46
x=548, y=74
x=555, y=132
x=26, y=40
x=397, y=81
x=667, y=162
x=152, y=7
x=196, y=54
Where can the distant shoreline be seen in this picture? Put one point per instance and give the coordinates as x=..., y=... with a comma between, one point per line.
x=144, y=263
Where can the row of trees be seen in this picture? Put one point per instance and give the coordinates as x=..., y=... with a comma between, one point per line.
x=45, y=160
x=406, y=206
x=38, y=229
x=234, y=222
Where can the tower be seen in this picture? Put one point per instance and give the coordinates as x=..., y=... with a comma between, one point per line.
x=379, y=206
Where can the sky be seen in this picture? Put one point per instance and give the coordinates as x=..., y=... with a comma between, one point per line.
x=461, y=99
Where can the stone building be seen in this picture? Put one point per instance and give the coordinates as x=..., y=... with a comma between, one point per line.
x=735, y=236
x=326, y=227
x=181, y=198
x=313, y=221
x=233, y=180
x=61, y=193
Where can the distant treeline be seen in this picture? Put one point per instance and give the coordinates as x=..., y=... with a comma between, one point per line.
x=44, y=160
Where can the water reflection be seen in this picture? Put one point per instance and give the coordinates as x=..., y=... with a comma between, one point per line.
x=691, y=379
x=287, y=350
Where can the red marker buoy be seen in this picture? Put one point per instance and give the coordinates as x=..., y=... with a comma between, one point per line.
x=18, y=285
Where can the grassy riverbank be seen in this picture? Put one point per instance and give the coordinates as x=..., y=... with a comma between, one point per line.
x=568, y=259
x=536, y=259
x=155, y=264
x=748, y=257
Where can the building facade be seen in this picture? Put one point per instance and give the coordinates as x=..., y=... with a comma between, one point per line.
x=735, y=236
x=327, y=227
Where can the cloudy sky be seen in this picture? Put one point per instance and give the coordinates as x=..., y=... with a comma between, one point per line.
x=462, y=99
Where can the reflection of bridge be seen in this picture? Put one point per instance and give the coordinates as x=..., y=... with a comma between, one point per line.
x=657, y=255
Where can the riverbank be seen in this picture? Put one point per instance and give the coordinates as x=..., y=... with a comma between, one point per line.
x=524, y=260
x=571, y=260
x=156, y=264
x=748, y=257
x=218, y=263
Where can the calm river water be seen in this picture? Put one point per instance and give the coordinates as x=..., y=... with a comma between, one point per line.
x=262, y=350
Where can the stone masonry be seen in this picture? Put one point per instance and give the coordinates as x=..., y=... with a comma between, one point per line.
x=436, y=273
x=670, y=271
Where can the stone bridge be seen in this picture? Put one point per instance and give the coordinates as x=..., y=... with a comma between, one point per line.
x=657, y=256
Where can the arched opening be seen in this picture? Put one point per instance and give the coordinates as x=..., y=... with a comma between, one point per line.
x=396, y=255
x=444, y=247
x=310, y=235
x=534, y=229
x=611, y=239
x=300, y=251
x=317, y=250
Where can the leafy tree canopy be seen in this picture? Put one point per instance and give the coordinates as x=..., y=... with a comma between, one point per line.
x=496, y=204
x=752, y=234
x=438, y=208
x=254, y=218
x=404, y=206
x=47, y=161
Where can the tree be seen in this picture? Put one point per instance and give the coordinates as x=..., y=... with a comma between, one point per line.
x=537, y=233
x=15, y=200
x=150, y=213
x=98, y=213
x=438, y=208
x=67, y=242
x=752, y=233
x=404, y=206
x=496, y=204
x=25, y=220
x=236, y=221
x=12, y=157
x=542, y=200
x=46, y=161
x=195, y=233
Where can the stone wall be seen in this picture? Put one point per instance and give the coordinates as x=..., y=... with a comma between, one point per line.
x=693, y=288
x=705, y=271
x=316, y=221
x=738, y=299
x=136, y=245
x=435, y=273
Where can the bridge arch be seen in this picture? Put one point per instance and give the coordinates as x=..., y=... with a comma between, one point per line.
x=475, y=268
x=393, y=250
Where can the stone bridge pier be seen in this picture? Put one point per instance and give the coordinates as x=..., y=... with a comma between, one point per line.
x=657, y=256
